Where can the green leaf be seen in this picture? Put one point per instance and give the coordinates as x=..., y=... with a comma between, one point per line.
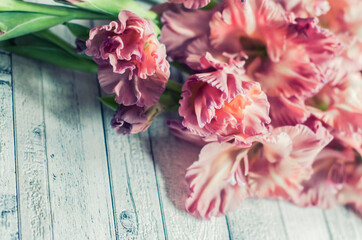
x=109, y=102
x=40, y=49
x=14, y=24
x=53, y=38
x=78, y=31
x=73, y=13
x=111, y=7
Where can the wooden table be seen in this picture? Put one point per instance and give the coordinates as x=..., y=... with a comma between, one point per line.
x=65, y=174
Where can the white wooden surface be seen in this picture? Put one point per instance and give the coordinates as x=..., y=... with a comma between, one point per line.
x=65, y=174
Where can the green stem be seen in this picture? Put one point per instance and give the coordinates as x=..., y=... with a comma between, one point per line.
x=174, y=86
x=179, y=67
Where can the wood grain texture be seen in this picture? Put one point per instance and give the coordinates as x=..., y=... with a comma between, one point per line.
x=8, y=194
x=257, y=219
x=31, y=150
x=299, y=222
x=343, y=224
x=79, y=182
x=172, y=156
x=135, y=197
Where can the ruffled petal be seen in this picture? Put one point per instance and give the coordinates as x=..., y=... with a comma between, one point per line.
x=131, y=62
x=179, y=30
x=216, y=180
x=285, y=161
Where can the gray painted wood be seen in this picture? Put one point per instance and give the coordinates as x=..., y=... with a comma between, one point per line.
x=77, y=164
x=75, y=178
x=8, y=195
x=343, y=224
x=257, y=219
x=33, y=175
x=172, y=156
x=135, y=196
x=299, y=222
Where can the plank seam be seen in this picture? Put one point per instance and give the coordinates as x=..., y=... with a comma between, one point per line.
x=227, y=226
x=283, y=221
x=157, y=186
x=327, y=225
x=46, y=156
x=15, y=148
x=109, y=169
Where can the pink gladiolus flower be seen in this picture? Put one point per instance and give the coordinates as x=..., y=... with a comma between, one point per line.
x=306, y=8
x=344, y=17
x=285, y=161
x=274, y=167
x=351, y=194
x=216, y=180
x=179, y=31
x=132, y=63
x=329, y=177
x=224, y=103
x=342, y=109
x=192, y=4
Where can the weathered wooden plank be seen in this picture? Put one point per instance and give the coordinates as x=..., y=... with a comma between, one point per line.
x=342, y=223
x=135, y=196
x=31, y=151
x=8, y=194
x=79, y=183
x=257, y=219
x=172, y=156
x=304, y=223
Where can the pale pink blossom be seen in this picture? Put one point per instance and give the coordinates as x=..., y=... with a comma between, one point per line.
x=131, y=62
x=329, y=177
x=224, y=103
x=274, y=167
x=351, y=193
x=305, y=8
x=342, y=109
x=216, y=180
x=192, y=4
x=344, y=16
x=285, y=160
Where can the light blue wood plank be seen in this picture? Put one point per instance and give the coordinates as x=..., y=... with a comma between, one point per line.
x=342, y=223
x=172, y=156
x=257, y=219
x=79, y=183
x=304, y=223
x=33, y=175
x=8, y=194
x=135, y=197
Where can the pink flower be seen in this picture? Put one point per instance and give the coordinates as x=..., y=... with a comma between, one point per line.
x=249, y=27
x=342, y=109
x=132, y=63
x=216, y=180
x=179, y=31
x=224, y=103
x=285, y=160
x=306, y=8
x=274, y=166
x=134, y=119
x=344, y=17
x=193, y=4
x=351, y=194
x=329, y=177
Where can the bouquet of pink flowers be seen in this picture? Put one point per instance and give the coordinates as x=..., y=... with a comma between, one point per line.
x=273, y=94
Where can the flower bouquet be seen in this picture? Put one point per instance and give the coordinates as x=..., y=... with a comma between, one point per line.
x=273, y=91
